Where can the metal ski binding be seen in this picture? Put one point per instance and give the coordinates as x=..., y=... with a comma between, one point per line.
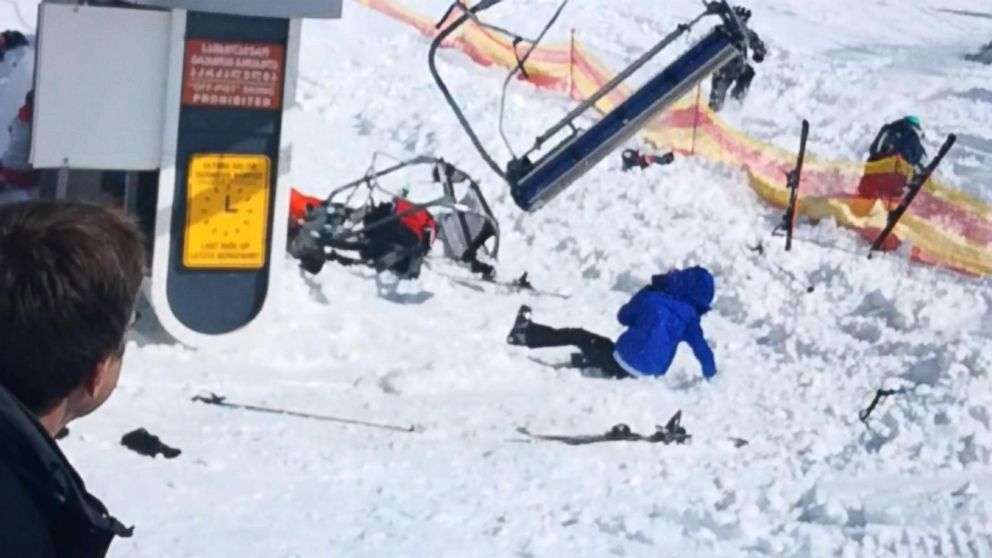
x=672, y=432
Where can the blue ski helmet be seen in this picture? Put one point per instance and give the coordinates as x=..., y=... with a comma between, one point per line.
x=914, y=121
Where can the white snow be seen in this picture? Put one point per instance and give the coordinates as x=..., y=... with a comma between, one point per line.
x=794, y=367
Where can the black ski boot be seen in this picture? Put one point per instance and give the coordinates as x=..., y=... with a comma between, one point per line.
x=487, y=271
x=518, y=335
x=312, y=261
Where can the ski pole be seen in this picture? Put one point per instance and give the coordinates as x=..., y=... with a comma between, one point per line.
x=219, y=400
x=879, y=395
x=792, y=179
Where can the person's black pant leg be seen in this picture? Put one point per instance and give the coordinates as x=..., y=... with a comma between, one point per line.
x=743, y=83
x=597, y=349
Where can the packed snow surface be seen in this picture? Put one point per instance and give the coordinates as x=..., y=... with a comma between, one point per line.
x=802, y=339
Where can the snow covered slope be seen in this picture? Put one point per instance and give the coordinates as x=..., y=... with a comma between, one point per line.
x=795, y=367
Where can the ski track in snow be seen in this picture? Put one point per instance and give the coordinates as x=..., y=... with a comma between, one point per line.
x=795, y=367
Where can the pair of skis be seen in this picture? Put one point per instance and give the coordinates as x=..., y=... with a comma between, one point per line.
x=794, y=176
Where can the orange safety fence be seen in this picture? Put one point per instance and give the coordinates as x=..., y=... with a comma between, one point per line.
x=944, y=226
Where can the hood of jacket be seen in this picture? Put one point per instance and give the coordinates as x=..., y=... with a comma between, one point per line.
x=694, y=286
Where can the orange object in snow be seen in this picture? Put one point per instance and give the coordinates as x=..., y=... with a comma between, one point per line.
x=299, y=203
x=883, y=180
x=419, y=222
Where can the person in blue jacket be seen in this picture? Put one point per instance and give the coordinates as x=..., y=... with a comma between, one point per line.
x=658, y=318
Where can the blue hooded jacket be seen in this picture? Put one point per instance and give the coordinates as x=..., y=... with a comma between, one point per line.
x=661, y=316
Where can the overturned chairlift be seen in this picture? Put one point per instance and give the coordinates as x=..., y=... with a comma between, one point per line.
x=534, y=183
x=338, y=224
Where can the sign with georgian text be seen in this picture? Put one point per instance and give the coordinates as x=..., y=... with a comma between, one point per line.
x=233, y=74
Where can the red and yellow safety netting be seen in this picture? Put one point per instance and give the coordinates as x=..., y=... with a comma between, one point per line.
x=944, y=226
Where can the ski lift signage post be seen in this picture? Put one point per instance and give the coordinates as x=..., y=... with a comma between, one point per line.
x=204, y=86
x=226, y=210
x=222, y=213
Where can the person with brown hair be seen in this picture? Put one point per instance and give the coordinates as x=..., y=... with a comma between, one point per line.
x=69, y=277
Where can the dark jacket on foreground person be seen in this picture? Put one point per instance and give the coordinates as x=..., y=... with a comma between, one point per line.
x=45, y=511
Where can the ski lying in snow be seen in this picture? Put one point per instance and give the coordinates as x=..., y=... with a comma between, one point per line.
x=671, y=433
x=523, y=284
x=792, y=179
x=914, y=188
x=519, y=284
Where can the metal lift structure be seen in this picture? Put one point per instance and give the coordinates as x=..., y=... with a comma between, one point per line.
x=534, y=179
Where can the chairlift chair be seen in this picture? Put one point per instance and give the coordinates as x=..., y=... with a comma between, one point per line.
x=337, y=224
x=533, y=183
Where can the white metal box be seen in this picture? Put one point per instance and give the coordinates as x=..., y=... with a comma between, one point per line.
x=100, y=86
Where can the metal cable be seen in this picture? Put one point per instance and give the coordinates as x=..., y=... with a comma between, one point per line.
x=520, y=68
x=432, y=64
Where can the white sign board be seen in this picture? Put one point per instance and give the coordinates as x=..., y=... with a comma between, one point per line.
x=100, y=86
x=290, y=9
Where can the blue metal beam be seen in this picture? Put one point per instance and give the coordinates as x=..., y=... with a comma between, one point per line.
x=534, y=185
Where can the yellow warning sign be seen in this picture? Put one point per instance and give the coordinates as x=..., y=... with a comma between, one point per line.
x=227, y=211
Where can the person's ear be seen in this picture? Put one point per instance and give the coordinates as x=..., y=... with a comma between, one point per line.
x=102, y=373
x=96, y=388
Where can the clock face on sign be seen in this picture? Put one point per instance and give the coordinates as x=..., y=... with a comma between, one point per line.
x=227, y=211
x=226, y=207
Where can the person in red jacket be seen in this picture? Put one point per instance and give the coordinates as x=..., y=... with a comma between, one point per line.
x=10, y=40
x=19, y=178
x=392, y=236
x=398, y=244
